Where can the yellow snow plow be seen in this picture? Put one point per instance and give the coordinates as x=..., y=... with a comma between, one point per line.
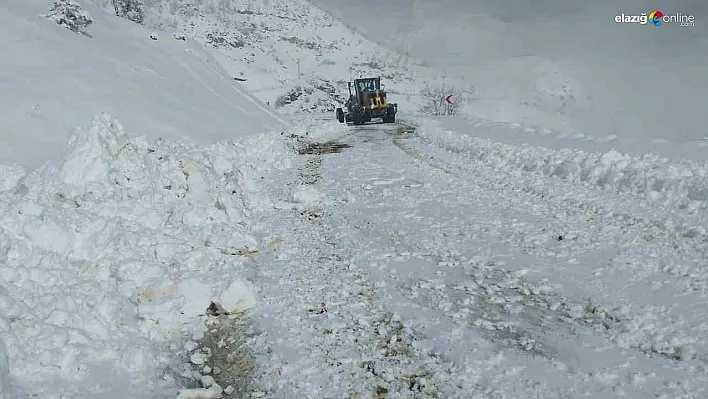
x=366, y=102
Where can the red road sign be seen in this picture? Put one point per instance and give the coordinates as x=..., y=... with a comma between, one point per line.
x=447, y=98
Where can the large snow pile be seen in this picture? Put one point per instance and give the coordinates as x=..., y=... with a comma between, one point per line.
x=54, y=79
x=110, y=256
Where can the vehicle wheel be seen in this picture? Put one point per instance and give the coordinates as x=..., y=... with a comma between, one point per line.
x=390, y=116
x=367, y=115
x=340, y=115
x=358, y=115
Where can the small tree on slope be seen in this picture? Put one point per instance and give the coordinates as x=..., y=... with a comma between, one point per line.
x=130, y=9
x=69, y=13
x=434, y=96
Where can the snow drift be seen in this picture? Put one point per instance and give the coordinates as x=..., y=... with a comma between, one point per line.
x=110, y=255
x=55, y=79
x=678, y=184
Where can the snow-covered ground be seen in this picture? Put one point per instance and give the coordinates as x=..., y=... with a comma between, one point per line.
x=431, y=265
x=160, y=236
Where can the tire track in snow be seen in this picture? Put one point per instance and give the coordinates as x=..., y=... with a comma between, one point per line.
x=324, y=303
x=514, y=313
x=574, y=316
x=684, y=277
x=468, y=372
x=386, y=347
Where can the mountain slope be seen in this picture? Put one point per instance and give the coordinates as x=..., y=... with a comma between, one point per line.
x=56, y=80
x=290, y=54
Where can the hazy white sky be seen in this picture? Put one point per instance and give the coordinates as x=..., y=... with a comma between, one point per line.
x=515, y=27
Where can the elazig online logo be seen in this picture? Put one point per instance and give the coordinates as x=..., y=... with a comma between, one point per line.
x=657, y=18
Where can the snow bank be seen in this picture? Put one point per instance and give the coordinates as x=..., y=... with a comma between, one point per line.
x=678, y=182
x=109, y=256
x=327, y=127
x=539, y=136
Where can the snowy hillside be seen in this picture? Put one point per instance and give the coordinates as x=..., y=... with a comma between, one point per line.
x=56, y=80
x=165, y=234
x=290, y=54
x=297, y=58
x=562, y=65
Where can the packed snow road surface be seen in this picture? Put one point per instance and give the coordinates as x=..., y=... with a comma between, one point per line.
x=403, y=264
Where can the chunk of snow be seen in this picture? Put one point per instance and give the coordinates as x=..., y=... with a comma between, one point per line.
x=207, y=381
x=198, y=358
x=176, y=303
x=50, y=235
x=92, y=153
x=213, y=392
x=190, y=346
x=308, y=196
x=238, y=297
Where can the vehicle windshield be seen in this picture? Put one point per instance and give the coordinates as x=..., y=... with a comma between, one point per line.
x=367, y=85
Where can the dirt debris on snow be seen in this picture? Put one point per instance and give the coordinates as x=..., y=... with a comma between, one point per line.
x=221, y=363
x=310, y=173
x=303, y=145
x=329, y=147
x=356, y=347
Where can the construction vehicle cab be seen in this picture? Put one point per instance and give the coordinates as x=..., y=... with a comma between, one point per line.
x=367, y=101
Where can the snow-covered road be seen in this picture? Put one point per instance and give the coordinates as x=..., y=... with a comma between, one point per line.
x=355, y=262
x=397, y=268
